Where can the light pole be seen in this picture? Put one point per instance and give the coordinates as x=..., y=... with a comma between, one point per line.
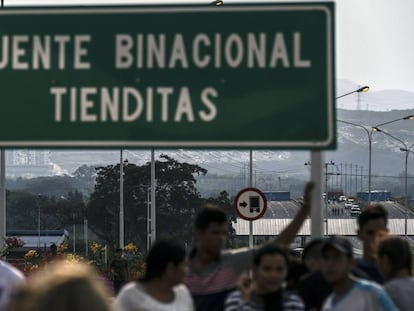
x=39, y=197
x=38, y=225
x=369, y=135
x=121, y=202
x=407, y=150
x=369, y=132
x=326, y=193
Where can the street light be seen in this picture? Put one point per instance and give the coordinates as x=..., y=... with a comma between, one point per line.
x=216, y=3
x=407, y=150
x=369, y=132
x=363, y=89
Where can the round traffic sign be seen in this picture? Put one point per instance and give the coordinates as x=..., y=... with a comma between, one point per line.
x=250, y=203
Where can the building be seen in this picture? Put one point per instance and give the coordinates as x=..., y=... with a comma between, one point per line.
x=28, y=163
x=277, y=195
x=376, y=195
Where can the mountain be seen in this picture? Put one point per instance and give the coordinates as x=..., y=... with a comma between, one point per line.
x=353, y=145
x=374, y=100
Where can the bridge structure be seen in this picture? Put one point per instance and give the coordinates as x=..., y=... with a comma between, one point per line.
x=340, y=221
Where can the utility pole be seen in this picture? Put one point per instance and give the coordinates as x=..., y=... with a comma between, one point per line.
x=327, y=194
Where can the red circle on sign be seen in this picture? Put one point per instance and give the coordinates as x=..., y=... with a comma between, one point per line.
x=236, y=202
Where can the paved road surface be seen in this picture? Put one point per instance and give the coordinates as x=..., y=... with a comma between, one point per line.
x=287, y=209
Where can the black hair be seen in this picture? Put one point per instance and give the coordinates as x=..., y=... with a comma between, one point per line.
x=313, y=249
x=209, y=214
x=372, y=212
x=398, y=252
x=164, y=251
x=269, y=249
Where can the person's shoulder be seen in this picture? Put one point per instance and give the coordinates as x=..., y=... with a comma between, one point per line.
x=233, y=295
x=131, y=297
x=233, y=298
x=369, y=286
x=237, y=255
x=293, y=301
x=236, y=251
x=181, y=289
x=131, y=288
x=10, y=273
x=400, y=283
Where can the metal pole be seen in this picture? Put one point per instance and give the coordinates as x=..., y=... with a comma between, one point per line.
x=369, y=165
x=316, y=210
x=326, y=199
x=121, y=201
x=153, y=203
x=85, y=235
x=346, y=179
x=149, y=233
x=406, y=192
x=74, y=239
x=356, y=178
x=2, y=198
x=250, y=185
x=38, y=224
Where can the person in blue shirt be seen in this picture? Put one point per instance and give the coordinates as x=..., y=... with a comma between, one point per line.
x=349, y=292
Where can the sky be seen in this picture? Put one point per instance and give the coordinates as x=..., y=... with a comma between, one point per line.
x=374, y=43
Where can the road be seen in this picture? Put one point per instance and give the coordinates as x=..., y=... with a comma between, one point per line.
x=288, y=209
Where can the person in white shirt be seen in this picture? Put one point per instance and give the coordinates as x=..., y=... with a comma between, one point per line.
x=10, y=277
x=161, y=287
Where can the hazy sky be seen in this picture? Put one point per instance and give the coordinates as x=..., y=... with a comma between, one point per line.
x=374, y=38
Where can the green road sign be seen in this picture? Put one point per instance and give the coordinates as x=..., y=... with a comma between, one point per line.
x=257, y=76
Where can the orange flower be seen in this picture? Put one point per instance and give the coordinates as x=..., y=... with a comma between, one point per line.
x=131, y=248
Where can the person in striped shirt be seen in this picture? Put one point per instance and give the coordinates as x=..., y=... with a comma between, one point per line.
x=265, y=291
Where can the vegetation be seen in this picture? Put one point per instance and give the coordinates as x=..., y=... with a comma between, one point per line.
x=60, y=206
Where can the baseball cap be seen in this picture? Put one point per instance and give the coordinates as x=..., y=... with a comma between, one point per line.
x=341, y=244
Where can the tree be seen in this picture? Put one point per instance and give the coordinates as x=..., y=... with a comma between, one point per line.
x=55, y=213
x=21, y=210
x=176, y=200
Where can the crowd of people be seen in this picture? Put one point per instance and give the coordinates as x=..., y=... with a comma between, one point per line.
x=325, y=276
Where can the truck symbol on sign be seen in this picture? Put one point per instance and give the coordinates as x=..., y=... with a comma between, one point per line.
x=254, y=204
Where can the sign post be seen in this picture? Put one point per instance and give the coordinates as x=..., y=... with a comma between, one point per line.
x=250, y=204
